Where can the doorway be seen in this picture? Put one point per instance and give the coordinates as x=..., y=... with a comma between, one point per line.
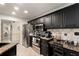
x=6, y=31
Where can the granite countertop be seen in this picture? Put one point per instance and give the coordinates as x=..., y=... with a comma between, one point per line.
x=6, y=47
x=42, y=37
x=51, y=42
x=74, y=48
x=71, y=48
x=46, y=38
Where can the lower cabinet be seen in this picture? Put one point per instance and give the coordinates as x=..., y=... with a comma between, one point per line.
x=68, y=52
x=56, y=49
x=10, y=52
x=45, y=47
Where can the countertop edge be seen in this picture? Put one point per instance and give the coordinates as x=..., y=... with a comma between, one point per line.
x=6, y=47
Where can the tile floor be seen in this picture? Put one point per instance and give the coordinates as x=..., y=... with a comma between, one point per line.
x=22, y=51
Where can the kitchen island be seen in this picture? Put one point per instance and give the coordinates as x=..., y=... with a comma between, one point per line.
x=8, y=49
x=45, y=49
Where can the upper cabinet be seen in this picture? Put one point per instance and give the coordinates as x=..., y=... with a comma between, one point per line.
x=76, y=15
x=31, y=22
x=57, y=18
x=34, y=22
x=64, y=18
x=38, y=21
x=71, y=16
x=41, y=20
x=47, y=21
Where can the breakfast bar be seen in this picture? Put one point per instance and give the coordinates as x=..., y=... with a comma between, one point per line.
x=8, y=49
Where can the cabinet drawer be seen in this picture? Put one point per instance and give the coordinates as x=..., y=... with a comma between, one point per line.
x=45, y=46
x=72, y=53
x=57, y=54
x=68, y=52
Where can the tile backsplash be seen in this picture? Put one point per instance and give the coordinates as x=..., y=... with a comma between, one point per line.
x=65, y=34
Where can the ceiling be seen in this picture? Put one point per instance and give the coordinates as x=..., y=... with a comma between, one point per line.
x=34, y=9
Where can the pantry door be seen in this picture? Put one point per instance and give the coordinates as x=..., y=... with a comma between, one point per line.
x=6, y=31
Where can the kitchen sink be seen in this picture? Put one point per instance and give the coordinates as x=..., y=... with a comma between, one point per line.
x=3, y=44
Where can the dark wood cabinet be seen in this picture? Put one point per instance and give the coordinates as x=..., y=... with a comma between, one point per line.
x=53, y=21
x=10, y=52
x=76, y=15
x=47, y=21
x=57, y=18
x=57, y=49
x=45, y=47
x=70, y=16
x=31, y=22
x=65, y=18
x=36, y=21
x=68, y=52
x=41, y=20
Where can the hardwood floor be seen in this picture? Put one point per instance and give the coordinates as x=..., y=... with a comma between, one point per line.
x=22, y=51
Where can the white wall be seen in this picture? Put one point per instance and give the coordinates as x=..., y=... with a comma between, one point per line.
x=59, y=33
x=52, y=10
x=17, y=27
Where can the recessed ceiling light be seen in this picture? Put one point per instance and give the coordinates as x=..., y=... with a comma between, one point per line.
x=26, y=11
x=2, y=3
x=13, y=13
x=16, y=8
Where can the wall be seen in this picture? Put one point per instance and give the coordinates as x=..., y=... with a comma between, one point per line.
x=59, y=34
x=52, y=10
x=17, y=27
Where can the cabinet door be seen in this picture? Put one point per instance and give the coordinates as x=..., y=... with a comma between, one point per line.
x=71, y=17
x=47, y=21
x=53, y=21
x=42, y=20
x=57, y=19
x=34, y=21
x=76, y=15
x=37, y=21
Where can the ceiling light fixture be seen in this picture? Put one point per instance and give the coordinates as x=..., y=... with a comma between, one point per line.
x=13, y=13
x=16, y=8
x=2, y=3
x=25, y=11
